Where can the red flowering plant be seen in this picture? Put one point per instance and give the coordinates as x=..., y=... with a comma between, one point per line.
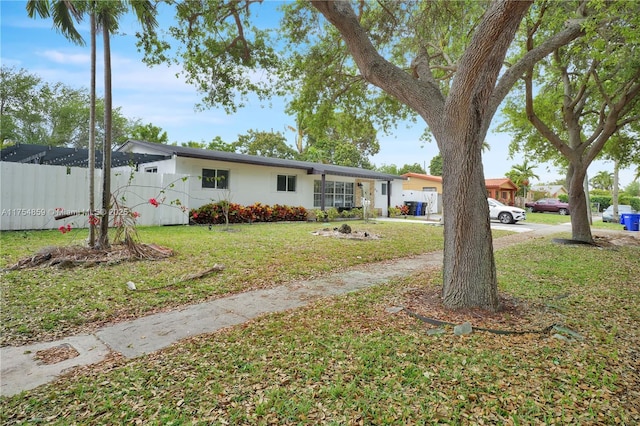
x=125, y=218
x=123, y=215
x=64, y=229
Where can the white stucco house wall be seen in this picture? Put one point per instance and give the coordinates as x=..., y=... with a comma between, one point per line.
x=39, y=182
x=247, y=179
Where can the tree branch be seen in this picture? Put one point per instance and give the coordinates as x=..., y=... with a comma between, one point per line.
x=374, y=68
x=533, y=118
x=515, y=72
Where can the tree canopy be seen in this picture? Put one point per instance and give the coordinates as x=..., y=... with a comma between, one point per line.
x=150, y=133
x=573, y=102
x=38, y=112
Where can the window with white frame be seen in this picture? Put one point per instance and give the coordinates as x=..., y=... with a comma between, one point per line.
x=286, y=183
x=153, y=169
x=215, y=178
x=336, y=194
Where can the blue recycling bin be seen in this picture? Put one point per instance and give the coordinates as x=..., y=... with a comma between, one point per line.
x=631, y=221
x=419, y=209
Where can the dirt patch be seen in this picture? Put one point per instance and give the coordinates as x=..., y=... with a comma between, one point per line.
x=56, y=354
x=353, y=235
x=72, y=256
x=617, y=240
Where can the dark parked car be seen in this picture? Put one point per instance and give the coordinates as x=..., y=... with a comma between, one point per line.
x=548, y=205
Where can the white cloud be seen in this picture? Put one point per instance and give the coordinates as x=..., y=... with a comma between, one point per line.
x=60, y=57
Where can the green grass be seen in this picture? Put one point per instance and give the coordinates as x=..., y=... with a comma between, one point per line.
x=347, y=360
x=598, y=223
x=547, y=218
x=49, y=302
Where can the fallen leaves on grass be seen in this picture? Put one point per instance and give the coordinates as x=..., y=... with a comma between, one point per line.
x=514, y=315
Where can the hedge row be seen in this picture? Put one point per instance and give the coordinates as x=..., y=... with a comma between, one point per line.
x=214, y=213
x=605, y=201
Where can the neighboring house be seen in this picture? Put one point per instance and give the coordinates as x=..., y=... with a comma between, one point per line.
x=247, y=179
x=423, y=188
x=418, y=186
x=547, y=191
x=501, y=189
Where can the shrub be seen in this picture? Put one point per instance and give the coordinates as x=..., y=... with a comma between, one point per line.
x=634, y=202
x=321, y=215
x=603, y=200
x=333, y=213
x=213, y=213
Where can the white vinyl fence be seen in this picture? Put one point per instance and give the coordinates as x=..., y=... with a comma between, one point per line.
x=32, y=195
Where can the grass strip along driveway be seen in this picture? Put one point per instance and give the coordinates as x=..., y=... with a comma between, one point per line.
x=352, y=360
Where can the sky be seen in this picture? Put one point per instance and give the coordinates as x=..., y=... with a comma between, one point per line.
x=156, y=95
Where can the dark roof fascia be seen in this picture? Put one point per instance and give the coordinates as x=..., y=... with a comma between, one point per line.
x=234, y=157
x=70, y=157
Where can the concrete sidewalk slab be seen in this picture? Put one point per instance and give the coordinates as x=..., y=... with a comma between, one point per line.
x=22, y=371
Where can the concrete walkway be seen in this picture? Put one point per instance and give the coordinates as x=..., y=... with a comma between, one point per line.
x=20, y=371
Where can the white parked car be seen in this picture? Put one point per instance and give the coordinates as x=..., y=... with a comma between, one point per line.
x=504, y=213
x=607, y=215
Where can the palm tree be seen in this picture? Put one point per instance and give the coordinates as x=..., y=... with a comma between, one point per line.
x=64, y=13
x=92, y=134
x=104, y=15
x=522, y=174
x=603, y=180
x=107, y=16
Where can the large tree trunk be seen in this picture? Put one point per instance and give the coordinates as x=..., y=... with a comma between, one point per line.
x=469, y=268
x=580, y=223
x=106, y=149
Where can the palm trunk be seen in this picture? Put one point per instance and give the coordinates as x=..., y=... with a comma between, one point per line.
x=614, y=196
x=106, y=149
x=92, y=135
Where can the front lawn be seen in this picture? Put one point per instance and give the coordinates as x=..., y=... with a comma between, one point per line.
x=352, y=361
x=45, y=303
x=547, y=218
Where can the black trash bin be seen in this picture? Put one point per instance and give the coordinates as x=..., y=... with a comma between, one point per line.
x=412, y=207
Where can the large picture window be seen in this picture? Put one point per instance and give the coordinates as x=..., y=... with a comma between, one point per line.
x=336, y=194
x=287, y=183
x=213, y=178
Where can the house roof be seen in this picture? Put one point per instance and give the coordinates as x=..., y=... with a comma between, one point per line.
x=499, y=183
x=233, y=157
x=70, y=157
x=423, y=177
x=489, y=183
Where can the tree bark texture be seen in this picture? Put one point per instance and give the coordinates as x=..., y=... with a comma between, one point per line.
x=580, y=224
